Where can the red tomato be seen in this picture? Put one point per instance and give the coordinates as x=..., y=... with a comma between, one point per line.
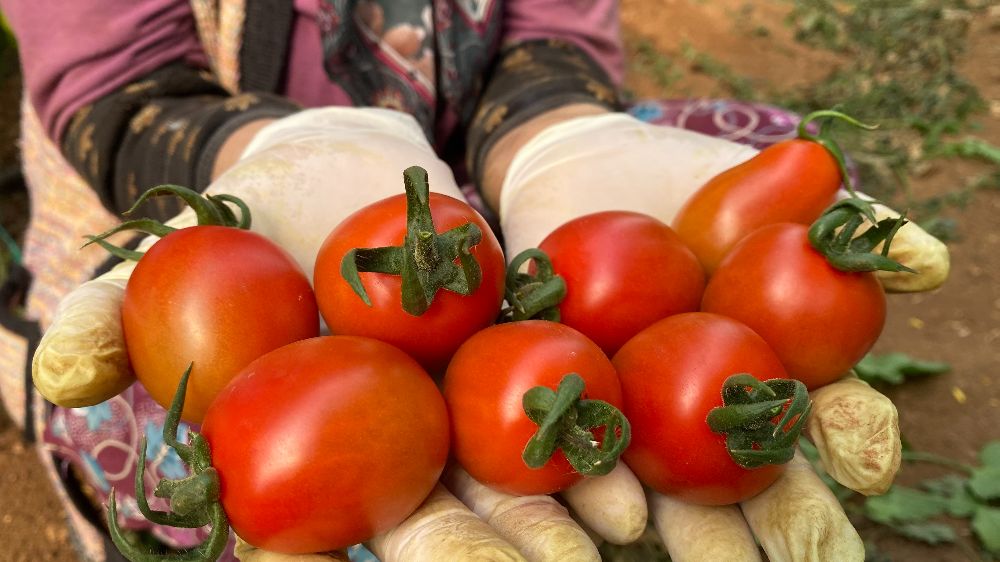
x=218, y=296
x=623, y=271
x=325, y=443
x=432, y=337
x=818, y=319
x=672, y=375
x=792, y=181
x=484, y=386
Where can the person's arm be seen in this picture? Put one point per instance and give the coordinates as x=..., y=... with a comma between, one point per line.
x=122, y=87
x=559, y=60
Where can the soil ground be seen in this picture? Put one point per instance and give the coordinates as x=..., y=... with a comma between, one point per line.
x=952, y=415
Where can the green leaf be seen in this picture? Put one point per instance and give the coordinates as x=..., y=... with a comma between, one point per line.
x=904, y=505
x=990, y=454
x=928, y=532
x=873, y=554
x=894, y=368
x=986, y=525
x=960, y=503
x=972, y=147
x=985, y=482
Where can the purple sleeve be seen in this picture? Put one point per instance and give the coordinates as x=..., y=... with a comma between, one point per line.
x=591, y=25
x=74, y=52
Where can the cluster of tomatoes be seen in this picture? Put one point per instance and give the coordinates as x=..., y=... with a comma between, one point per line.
x=320, y=442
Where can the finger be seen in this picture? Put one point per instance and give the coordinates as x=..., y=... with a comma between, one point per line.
x=696, y=533
x=917, y=249
x=82, y=360
x=539, y=526
x=798, y=519
x=613, y=506
x=856, y=430
x=247, y=553
x=913, y=247
x=442, y=528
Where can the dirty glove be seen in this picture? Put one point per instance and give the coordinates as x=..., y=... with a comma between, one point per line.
x=615, y=162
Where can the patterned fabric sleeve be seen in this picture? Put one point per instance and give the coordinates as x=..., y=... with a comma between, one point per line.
x=166, y=127
x=531, y=78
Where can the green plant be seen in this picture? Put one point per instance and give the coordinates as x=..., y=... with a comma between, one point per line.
x=659, y=67
x=895, y=368
x=928, y=511
x=740, y=86
x=900, y=71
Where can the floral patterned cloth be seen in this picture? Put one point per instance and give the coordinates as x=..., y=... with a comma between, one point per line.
x=101, y=441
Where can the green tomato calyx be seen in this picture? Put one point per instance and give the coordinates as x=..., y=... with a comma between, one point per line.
x=194, y=500
x=565, y=422
x=747, y=419
x=211, y=210
x=426, y=260
x=834, y=234
x=533, y=296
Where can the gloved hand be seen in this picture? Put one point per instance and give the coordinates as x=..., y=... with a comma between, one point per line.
x=301, y=176
x=615, y=162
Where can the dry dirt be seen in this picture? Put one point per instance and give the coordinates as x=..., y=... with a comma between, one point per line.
x=952, y=415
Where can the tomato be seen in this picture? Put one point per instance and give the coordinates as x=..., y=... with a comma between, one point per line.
x=325, y=443
x=432, y=336
x=818, y=319
x=218, y=296
x=791, y=181
x=623, y=271
x=671, y=376
x=484, y=386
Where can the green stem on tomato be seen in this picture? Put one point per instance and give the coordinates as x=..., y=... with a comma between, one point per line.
x=533, y=296
x=194, y=500
x=565, y=422
x=834, y=234
x=828, y=143
x=747, y=415
x=209, y=210
x=426, y=260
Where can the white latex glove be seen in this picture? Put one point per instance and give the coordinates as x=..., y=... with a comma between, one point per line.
x=616, y=162
x=300, y=176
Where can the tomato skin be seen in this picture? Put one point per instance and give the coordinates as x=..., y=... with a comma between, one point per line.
x=484, y=385
x=326, y=442
x=791, y=181
x=432, y=337
x=216, y=296
x=672, y=375
x=623, y=271
x=819, y=320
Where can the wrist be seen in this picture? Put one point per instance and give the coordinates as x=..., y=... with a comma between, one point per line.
x=232, y=148
x=500, y=156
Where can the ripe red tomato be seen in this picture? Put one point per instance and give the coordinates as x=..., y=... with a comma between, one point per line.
x=484, y=386
x=218, y=296
x=671, y=376
x=792, y=181
x=818, y=319
x=433, y=336
x=325, y=443
x=623, y=271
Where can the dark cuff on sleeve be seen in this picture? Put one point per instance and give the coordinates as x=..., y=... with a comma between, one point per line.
x=165, y=128
x=533, y=77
